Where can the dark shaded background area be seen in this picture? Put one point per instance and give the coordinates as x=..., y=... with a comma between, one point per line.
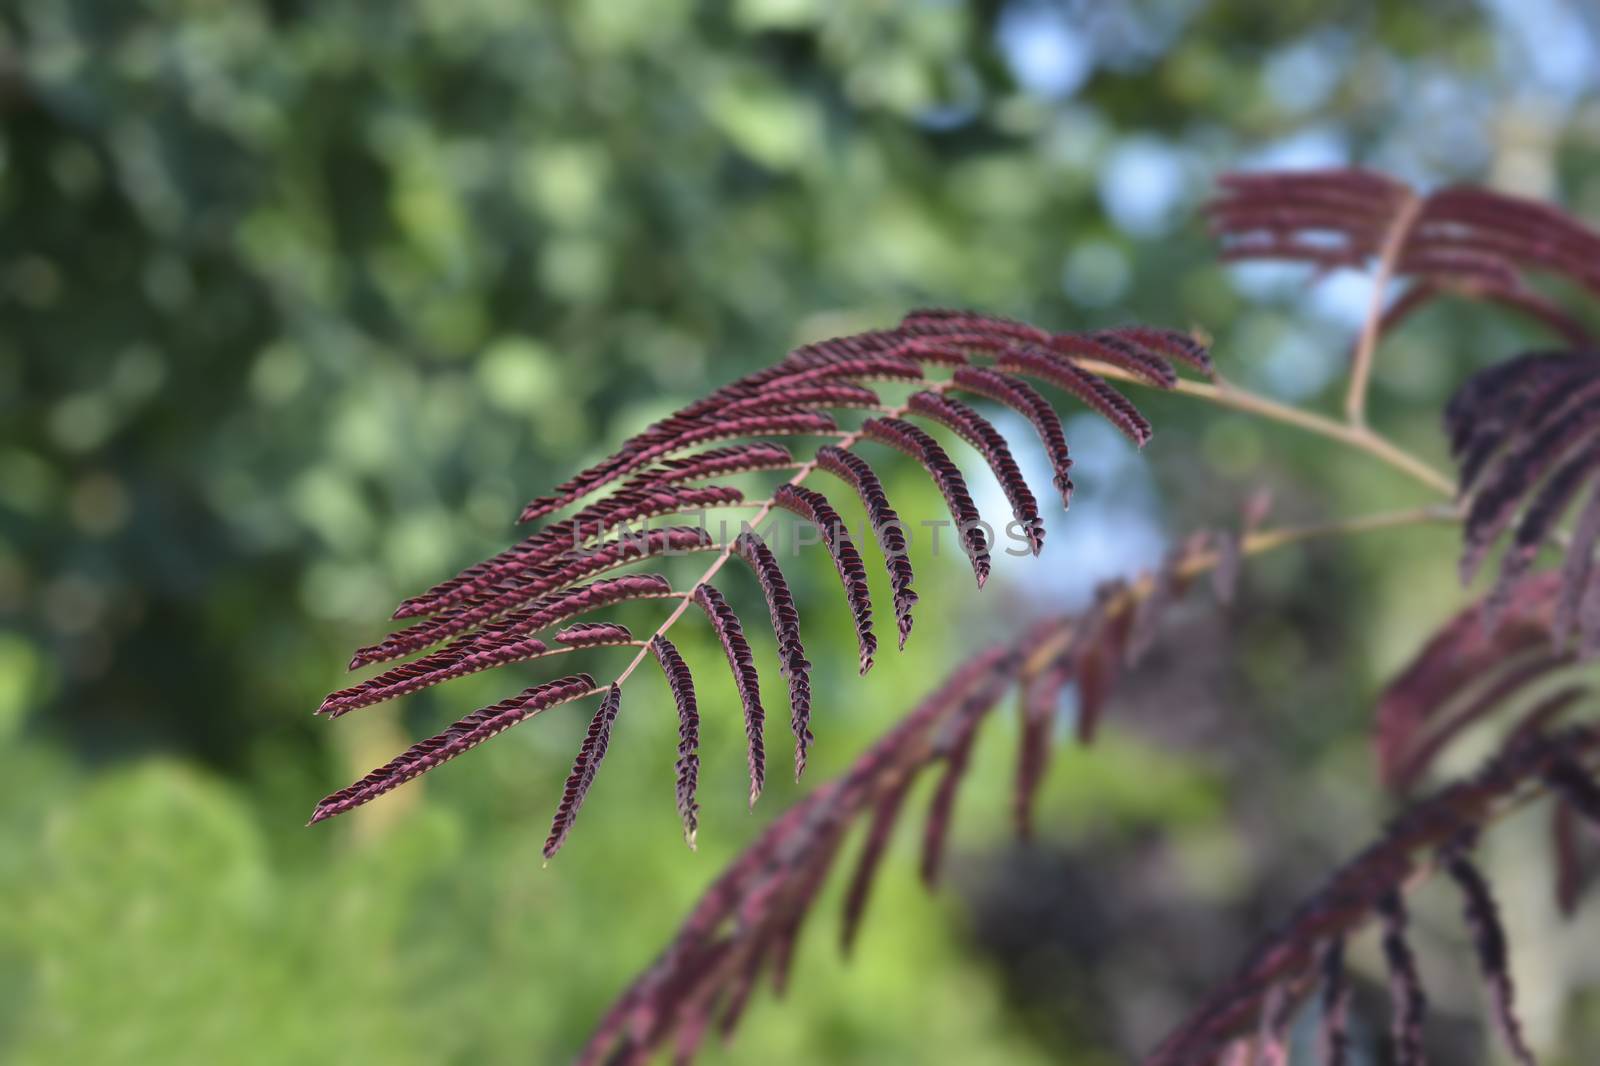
x=300, y=302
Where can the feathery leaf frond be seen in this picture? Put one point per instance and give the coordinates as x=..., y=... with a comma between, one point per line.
x=786, y=627
x=981, y=434
x=886, y=527
x=468, y=733
x=1467, y=671
x=745, y=678
x=1469, y=241
x=1526, y=434
x=584, y=768
x=749, y=916
x=494, y=613
x=1283, y=964
x=814, y=508
x=681, y=682
x=905, y=437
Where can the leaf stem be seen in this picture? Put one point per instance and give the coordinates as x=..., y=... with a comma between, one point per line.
x=1355, y=398
x=1357, y=436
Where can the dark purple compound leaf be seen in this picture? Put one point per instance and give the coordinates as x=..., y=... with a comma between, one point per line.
x=1434, y=248
x=736, y=997
x=1331, y=218
x=1163, y=346
x=1484, y=412
x=950, y=350
x=940, y=325
x=430, y=670
x=865, y=368
x=1175, y=346
x=624, y=512
x=489, y=614
x=1544, y=509
x=1099, y=654
x=683, y=1006
x=464, y=735
x=1143, y=351
x=1040, y=700
x=905, y=437
x=1350, y=897
x=579, y=561
x=792, y=660
x=828, y=395
x=864, y=345
x=981, y=434
x=1443, y=263
x=957, y=753
x=957, y=350
x=1146, y=353
x=594, y=635
x=955, y=749
x=681, y=682
x=1048, y=654
x=1408, y=1003
x=507, y=641
x=1350, y=198
x=1506, y=485
x=693, y=1024
x=885, y=814
x=649, y=448
x=1464, y=672
x=808, y=884
x=1545, y=228
x=1109, y=348
x=1026, y=401
x=1507, y=683
x=719, y=462
x=745, y=678
x=609, y=555
x=1460, y=240
x=1492, y=288
x=886, y=527
x=936, y=321
x=1344, y=233
x=584, y=768
x=633, y=503
x=1503, y=245
x=1489, y=940
x=1093, y=391
x=1323, y=254
x=815, y=508
x=1360, y=200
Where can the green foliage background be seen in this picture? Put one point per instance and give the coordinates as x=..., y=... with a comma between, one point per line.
x=299, y=302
